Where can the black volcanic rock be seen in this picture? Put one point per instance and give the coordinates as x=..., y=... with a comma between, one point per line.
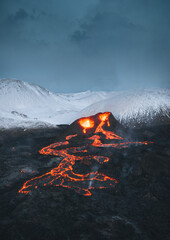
x=136, y=209
x=75, y=127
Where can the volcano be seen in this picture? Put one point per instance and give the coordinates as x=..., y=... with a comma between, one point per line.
x=25, y=105
x=80, y=143
x=93, y=179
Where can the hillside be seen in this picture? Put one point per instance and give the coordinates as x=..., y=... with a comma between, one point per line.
x=28, y=105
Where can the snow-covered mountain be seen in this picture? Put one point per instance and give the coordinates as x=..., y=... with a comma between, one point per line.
x=27, y=105
x=135, y=108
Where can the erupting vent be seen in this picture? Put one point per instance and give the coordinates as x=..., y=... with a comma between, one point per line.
x=64, y=175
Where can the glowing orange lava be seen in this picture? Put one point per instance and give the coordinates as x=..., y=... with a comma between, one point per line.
x=64, y=176
x=86, y=123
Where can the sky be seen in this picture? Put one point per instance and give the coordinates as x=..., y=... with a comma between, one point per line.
x=79, y=45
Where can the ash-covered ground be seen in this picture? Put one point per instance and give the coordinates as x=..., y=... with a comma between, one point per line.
x=136, y=209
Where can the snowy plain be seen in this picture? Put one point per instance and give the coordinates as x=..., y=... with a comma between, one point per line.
x=27, y=105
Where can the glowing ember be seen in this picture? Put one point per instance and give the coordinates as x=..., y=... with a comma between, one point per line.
x=64, y=176
x=86, y=123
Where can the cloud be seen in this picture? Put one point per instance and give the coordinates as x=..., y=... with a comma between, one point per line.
x=19, y=15
x=78, y=45
x=106, y=28
x=130, y=38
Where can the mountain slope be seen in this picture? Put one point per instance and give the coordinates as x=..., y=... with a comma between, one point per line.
x=28, y=105
x=135, y=108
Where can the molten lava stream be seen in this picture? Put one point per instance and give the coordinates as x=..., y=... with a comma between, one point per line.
x=64, y=176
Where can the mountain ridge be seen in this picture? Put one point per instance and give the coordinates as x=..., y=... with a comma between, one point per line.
x=29, y=105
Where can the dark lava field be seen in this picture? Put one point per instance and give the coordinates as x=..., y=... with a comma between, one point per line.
x=136, y=207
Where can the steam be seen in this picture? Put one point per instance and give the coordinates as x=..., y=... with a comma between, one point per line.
x=94, y=169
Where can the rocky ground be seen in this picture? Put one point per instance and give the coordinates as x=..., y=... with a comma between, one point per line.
x=136, y=209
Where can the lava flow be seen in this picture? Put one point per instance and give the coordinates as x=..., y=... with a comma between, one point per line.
x=64, y=175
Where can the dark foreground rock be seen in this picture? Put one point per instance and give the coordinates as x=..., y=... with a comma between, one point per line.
x=136, y=209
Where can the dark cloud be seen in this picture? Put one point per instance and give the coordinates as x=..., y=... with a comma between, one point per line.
x=93, y=44
x=107, y=28
x=79, y=35
x=133, y=39
x=20, y=15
